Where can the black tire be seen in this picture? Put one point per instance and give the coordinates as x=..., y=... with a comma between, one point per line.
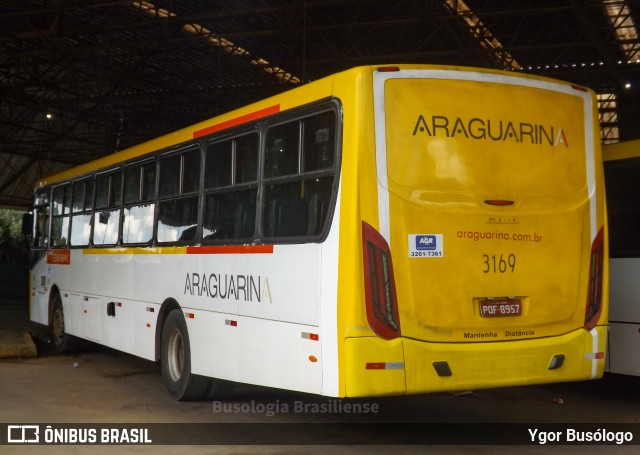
x=175, y=362
x=61, y=341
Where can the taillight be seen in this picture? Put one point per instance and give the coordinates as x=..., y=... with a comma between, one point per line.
x=380, y=290
x=594, y=296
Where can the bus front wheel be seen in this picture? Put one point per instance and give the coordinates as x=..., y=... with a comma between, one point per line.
x=61, y=341
x=176, y=365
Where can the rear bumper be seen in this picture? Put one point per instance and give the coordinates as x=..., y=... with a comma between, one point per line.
x=406, y=366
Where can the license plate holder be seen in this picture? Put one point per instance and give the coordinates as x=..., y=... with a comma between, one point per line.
x=500, y=307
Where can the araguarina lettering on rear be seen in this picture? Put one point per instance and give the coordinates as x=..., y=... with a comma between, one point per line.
x=487, y=129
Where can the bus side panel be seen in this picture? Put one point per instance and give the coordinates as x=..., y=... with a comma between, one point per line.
x=624, y=348
x=256, y=351
x=39, y=298
x=624, y=315
x=132, y=327
x=280, y=285
x=625, y=290
x=328, y=328
x=358, y=201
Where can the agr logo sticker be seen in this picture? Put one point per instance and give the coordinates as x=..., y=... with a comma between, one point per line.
x=426, y=246
x=426, y=242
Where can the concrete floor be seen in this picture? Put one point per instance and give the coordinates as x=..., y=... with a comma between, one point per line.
x=102, y=387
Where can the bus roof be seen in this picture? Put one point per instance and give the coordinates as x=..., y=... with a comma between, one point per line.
x=295, y=97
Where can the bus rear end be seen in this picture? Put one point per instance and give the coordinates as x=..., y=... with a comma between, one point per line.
x=484, y=262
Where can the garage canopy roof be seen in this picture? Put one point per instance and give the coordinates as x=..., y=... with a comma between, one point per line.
x=82, y=79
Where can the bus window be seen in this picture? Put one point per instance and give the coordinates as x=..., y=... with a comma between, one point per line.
x=319, y=197
x=137, y=216
x=81, y=229
x=319, y=142
x=180, y=173
x=78, y=196
x=230, y=215
x=170, y=175
x=61, y=212
x=105, y=227
x=297, y=198
x=137, y=223
x=148, y=181
x=286, y=210
x=178, y=213
x=282, y=150
x=81, y=207
x=106, y=220
x=217, y=171
x=41, y=220
x=246, y=163
x=131, y=184
x=108, y=190
x=191, y=171
x=177, y=220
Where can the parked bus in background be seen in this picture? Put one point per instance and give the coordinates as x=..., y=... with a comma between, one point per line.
x=381, y=231
x=622, y=171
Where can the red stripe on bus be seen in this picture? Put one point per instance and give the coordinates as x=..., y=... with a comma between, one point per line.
x=231, y=249
x=238, y=121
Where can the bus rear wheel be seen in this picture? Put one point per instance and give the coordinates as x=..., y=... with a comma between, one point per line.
x=176, y=365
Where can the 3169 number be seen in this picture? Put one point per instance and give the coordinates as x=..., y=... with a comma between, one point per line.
x=499, y=264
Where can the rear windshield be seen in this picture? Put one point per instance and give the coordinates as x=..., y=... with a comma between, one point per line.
x=483, y=138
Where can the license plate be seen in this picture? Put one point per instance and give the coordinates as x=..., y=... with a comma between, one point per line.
x=493, y=308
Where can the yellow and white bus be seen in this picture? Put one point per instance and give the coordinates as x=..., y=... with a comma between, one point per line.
x=384, y=230
x=622, y=168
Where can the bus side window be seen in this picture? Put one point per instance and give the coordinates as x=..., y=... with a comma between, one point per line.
x=319, y=200
x=319, y=142
x=217, y=172
x=229, y=215
x=41, y=227
x=138, y=211
x=41, y=219
x=178, y=206
x=297, y=193
x=106, y=220
x=177, y=220
x=81, y=219
x=286, y=210
x=246, y=159
x=191, y=171
x=282, y=150
x=61, y=216
x=231, y=170
x=170, y=175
